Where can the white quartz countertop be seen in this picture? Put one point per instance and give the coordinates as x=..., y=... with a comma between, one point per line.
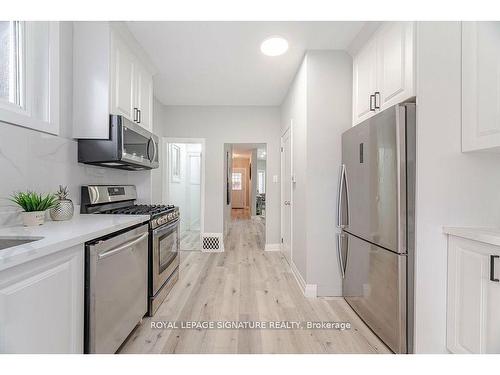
x=60, y=235
x=487, y=235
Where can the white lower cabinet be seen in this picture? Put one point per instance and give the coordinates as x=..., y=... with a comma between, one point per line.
x=41, y=304
x=473, y=316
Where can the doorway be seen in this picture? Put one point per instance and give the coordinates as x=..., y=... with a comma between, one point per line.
x=184, y=187
x=246, y=183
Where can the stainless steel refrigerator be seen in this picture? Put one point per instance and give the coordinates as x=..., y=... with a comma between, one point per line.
x=376, y=211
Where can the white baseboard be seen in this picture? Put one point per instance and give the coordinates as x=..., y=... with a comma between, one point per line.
x=309, y=290
x=272, y=247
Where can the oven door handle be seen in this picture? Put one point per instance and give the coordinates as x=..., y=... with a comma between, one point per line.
x=162, y=229
x=122, y=247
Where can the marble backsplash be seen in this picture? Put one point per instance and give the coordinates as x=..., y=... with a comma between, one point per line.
x=31, y=160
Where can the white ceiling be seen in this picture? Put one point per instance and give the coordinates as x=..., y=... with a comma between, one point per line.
x=220, y=63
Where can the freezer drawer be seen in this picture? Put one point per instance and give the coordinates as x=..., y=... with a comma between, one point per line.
x=375, y=287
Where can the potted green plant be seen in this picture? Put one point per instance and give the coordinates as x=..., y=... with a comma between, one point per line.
x=63, y=208
x=34, y=206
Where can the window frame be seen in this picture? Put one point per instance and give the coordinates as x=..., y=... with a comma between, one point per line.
x=262, y=173
x=232, y=181
x=175, y=163
x=22, y=115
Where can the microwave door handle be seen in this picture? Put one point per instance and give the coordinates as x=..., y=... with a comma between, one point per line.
x=155, y=150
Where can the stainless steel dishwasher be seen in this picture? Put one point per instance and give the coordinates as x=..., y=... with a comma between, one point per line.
x=116, y=288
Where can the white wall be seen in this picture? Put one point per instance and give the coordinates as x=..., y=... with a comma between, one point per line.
x=329, y=103
x=220, y=125
x=453, y=188
x=319, y=103
x=39, y=161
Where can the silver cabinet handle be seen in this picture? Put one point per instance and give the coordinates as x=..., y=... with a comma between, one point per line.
x=372, y=103
x=377, y=99
x=339, y=252
x=122, y=247
x=492, y=268
x=340, y=204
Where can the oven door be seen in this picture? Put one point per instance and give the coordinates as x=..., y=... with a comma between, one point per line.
x=166, y=242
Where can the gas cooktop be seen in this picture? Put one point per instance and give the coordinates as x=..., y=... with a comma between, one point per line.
x=141, y=209
x=120, y=200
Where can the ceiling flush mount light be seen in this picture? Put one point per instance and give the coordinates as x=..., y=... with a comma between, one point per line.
x=274, y=46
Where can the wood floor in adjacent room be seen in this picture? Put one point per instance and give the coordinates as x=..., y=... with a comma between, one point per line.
x=245, y=283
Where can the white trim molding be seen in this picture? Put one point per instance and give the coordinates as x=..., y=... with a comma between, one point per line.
x=309, y=290
x=272, y=247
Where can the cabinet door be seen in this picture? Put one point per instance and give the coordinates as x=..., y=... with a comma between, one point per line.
x=395, y=78
x=473, y=299
x=480, y=86
x=122, y=79
x=145, y=99
x=364, y=81
x=42, y=305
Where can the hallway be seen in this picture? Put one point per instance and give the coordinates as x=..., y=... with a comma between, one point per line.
x=245, y=283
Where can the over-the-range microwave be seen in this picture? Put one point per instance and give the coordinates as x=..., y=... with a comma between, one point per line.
x=129, y=147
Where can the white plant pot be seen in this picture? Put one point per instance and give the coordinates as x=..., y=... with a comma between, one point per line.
x=33, y=219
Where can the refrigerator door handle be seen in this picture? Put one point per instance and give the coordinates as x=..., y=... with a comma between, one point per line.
x=339, y=252
x=339, y=196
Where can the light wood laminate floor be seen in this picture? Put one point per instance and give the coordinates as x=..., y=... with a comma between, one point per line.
x=190, y=240
x=246, y=283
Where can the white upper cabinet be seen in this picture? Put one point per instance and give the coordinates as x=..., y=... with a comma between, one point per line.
x=109, y=78
x=395, y=57
x=383, y=70
x=365, y=85
x=122, y=79
x=473, y=305
x=143, y=98
x=481, y=86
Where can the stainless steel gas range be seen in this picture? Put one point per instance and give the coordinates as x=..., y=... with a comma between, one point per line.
x=164, y=239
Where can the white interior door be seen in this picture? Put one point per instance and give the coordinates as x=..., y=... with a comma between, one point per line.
x=286, y=199
x=193, y=189
x=239, y=183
